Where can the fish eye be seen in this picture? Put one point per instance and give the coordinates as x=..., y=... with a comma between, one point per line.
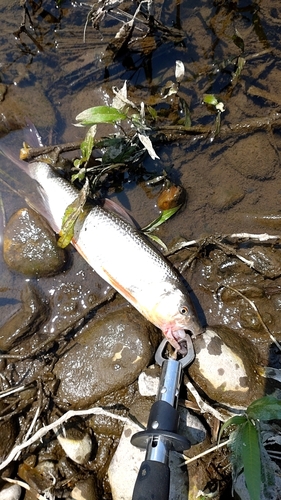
x=183, y=310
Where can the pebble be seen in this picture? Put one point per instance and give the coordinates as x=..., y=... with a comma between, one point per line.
x=77, y=446
x=10, y=492
x=85, y=490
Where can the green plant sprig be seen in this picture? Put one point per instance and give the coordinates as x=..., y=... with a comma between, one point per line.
x=248, y=452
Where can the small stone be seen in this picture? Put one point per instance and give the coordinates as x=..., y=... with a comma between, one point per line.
x=85, y=490
x=148, y=381
x=171, y=197
x=77, y=448
x=10, y=492
x=30, y=246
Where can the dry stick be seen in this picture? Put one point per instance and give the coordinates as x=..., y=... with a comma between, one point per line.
x=204, y=407
x=30, y=153
x=44, y=430
x=253, y=305
x=188, y=461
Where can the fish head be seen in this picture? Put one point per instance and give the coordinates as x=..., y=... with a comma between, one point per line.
x=175, y=316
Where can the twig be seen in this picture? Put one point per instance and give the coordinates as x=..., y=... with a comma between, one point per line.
x=31, y=153
x=204, y=407
x=188, y=461
x=44, y=430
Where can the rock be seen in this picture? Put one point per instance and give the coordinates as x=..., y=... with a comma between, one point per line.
x=191, y=427
x=148, y=381
x=85, y=490
x=76, y=443
x=125, y=465
x=26, y=320
x=30, y=245
x=225, y=369
x=10, y=492
x=106, y=355
x=171, y=197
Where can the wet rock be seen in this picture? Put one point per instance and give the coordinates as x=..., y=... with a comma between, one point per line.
x=225, y=368
x=108, y=354
x=125, y=465
x=248, y=154
x=85, y=490
x=26, y=320
x=10, y=492
x=30, y=246
x=39, y=480
x=76, y=443
x=8, y=433
x=171, y=197
x=148, y=381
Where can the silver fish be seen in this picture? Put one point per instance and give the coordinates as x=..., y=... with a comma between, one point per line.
x=119, y=254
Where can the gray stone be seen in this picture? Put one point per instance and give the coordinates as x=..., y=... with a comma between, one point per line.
x=224, y=368
x=106, y=355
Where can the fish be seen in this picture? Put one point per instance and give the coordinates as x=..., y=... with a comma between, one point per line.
x=117, y=251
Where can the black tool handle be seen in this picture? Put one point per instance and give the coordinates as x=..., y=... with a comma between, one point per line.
x=153, y=481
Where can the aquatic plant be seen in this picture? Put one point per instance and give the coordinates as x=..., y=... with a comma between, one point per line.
x=248, y=453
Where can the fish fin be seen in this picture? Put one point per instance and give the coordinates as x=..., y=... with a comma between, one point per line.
x=112, y=206
x=32, y=136
x=14, y=142
x=35, y=197
x=39, y=202
x=23, y=165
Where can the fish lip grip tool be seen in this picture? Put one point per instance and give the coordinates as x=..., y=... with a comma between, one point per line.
x=160, y=437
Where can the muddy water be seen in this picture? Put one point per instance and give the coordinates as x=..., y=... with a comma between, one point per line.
x=232, y=179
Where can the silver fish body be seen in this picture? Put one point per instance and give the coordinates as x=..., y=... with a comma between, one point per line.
x=120, y=255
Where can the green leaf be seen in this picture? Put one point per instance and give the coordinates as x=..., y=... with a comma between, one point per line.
x=157, y=240
x=100, y=114
x=250, y=451
x=163, y=217
x=87, y=145
x=236, y=420
x=210, y=99
x=265, y=408
x=71, y=215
